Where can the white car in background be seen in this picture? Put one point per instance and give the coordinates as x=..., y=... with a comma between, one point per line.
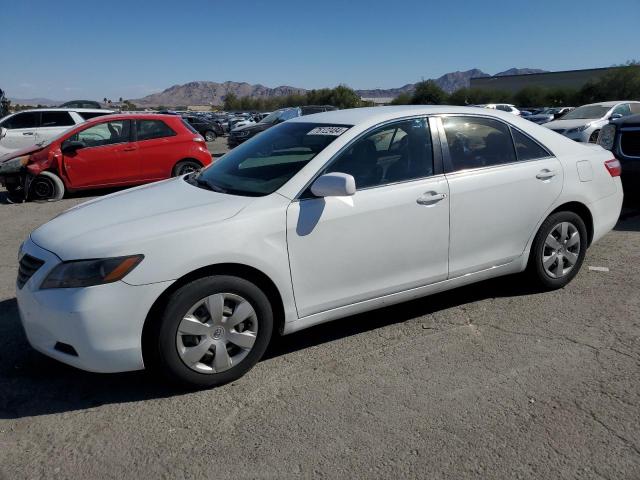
x=503, y=107
x=317, y=218
x=584, y=123
x=28, y=127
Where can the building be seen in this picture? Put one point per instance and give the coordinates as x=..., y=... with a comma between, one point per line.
x=574, y=79
x=378, y=100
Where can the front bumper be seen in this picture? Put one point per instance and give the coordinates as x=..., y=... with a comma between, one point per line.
x=102, y=323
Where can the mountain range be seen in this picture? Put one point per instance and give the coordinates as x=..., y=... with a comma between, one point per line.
x=205, y=93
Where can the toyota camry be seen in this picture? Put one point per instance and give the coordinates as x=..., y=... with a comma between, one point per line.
x=315, y=219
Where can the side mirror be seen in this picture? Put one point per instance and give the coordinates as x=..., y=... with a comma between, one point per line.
x=615, y=115
x=3, y=132
x=71, y=146
x=334, y=185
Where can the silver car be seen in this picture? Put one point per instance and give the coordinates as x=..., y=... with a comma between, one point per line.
x=584, y=123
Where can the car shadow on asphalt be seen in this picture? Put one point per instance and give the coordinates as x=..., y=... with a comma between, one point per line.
x=33, y=384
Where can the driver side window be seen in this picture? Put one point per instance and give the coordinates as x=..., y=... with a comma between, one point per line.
x=395, y=152
x=107, y=133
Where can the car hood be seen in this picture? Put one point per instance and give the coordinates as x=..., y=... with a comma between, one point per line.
x=566, y=124
x=18, y=153
x=122, y=222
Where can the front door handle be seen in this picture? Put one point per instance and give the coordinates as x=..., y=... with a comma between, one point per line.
x=429, y=198
x=546, y=174
x=129, y=149
x=27, y=133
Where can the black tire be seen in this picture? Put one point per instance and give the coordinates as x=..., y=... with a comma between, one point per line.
x=15, y=193
x=46, y=187
x=185, y=166
x=536, y=269
x=169, y=362
x=593, y=138
x=210, y=135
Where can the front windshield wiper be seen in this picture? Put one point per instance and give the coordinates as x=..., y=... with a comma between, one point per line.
x=201, y=182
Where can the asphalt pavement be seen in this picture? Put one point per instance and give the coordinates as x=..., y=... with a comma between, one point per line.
x=493, y=380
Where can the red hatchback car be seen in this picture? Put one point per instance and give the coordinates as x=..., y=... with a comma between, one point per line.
x=107, y=151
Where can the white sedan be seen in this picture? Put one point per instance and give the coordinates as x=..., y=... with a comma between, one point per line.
x=316, y=219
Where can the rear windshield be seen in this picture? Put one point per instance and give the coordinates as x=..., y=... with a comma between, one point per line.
x=89, y=115
x=188, y=125
x=263, y=164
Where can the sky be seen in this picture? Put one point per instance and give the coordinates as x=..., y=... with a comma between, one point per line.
x=66, y=49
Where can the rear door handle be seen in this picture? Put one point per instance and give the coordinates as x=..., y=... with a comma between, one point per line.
x=430, y=197
x=546, y=174
x=27, y=133
x=129, y=149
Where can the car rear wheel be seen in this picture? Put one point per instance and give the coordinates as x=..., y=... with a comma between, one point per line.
x=186, y=166
x=209, y=135
x=593, y=138
x=558, y=250
x=213, y=331
x=46, y=187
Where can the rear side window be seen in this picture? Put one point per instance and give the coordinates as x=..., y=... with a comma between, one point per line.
x=57, y=119
x=527, y=149
x=476, y=142
x=90, y=115
x=23, y=120
x=150, y=129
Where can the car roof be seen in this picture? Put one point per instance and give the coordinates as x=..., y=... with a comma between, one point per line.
x=610, y=104
x=134, y=116
x=374, y=115
x=67, y=109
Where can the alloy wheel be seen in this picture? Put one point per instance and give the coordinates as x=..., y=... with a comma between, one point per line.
x=561, y=250
x=217, y=333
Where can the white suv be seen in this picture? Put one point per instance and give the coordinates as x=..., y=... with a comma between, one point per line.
x=24, y=129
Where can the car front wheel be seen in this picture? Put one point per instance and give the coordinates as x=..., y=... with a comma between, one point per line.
x=558, y=250
x=46, y=186
x=213, y=331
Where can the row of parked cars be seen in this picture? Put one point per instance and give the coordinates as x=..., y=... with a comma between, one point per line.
x=46, y=152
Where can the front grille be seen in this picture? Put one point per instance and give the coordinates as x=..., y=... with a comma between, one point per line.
x=28, y=266
x=630, y=144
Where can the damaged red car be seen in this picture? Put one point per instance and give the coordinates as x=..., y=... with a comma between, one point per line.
x=107, y=151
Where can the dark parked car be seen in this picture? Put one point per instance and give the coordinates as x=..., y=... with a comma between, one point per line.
x=81, y=104
x=549, y=114
x=208, y=129
x=242, y=134
x=622, y=137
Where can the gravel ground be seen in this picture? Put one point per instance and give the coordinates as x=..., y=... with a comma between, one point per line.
x=492, y=380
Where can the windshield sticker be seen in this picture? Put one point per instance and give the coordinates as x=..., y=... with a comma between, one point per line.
x=332, y=131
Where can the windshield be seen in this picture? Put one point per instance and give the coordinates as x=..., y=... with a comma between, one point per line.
x=266, y=162
x=587, y=111
x=284, y=114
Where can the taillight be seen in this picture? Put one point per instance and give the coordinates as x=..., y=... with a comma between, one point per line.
x=614, y=167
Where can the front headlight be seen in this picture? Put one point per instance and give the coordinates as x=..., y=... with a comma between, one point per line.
x=85, y=273
x=14, y=165
x=579, y=129
x=607, y=136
